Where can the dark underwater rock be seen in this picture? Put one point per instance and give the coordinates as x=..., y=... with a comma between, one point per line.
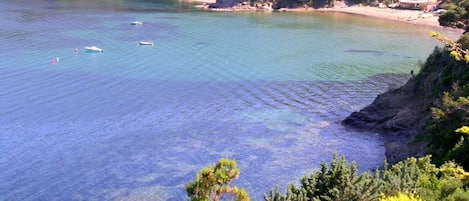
x=225, y=3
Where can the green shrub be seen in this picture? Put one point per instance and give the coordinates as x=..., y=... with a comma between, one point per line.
x=338, y=182
x=448, y=17
x=212, y=183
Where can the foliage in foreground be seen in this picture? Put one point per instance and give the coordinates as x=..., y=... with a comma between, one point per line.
x=213, y=183
x=446, y=140
x=342, y=182
x=446, y=73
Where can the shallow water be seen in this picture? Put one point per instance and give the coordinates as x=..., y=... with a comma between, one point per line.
x=138, y=122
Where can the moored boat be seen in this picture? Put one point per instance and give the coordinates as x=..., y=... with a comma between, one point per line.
x=137, y=23
x=93, y=49
x=149, y=42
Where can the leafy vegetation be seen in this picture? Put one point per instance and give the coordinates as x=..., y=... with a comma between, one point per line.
x=338, y=182
x=450, y=99
x=212, y=183
x=401, y=197
x=456, y=49
x=413, y=179
x=446, y=140
x=302, y=3
x=456, y=14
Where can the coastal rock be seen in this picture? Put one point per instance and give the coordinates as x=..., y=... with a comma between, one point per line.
x=397, y=115
x=400, y=114
x=393, y=111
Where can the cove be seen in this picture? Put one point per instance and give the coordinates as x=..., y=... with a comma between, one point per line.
x=138, y=122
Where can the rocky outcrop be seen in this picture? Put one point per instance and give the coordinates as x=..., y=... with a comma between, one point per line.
x=400, y=114
x=397, y=115
x=391, y=112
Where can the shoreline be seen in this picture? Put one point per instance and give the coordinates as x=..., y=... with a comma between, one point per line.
x=416, y=17
x=400, y=15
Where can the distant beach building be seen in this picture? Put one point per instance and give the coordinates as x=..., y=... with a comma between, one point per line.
x=426, y=5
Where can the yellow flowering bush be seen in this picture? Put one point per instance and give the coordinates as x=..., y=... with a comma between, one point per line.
x=401, y=197
x=455, y=50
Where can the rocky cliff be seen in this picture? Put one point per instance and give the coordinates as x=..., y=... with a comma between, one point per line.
x=400, y=114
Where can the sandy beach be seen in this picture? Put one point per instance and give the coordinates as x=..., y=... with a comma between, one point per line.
x=407, y=16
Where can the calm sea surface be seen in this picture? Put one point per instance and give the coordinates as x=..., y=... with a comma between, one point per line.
x=138, y=122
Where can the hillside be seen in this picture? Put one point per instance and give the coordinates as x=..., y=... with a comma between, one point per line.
x=404, y=115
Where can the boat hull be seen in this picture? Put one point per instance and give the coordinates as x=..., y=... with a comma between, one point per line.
x=93, y=49
x=145, y=43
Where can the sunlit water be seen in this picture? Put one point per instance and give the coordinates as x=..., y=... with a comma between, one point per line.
x=138, y=122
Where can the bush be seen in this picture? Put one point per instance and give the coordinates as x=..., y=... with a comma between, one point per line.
x=464, y=41
x=340, y=181
x=212, y=183
x=401, y=197
x=418, y=177
x=448, y=17
x=457, y=15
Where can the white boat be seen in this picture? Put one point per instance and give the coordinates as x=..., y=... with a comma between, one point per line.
x=137, y=23
x=93, y=49
x=145, y=42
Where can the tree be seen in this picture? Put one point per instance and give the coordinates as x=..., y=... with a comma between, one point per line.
x=212, y=183
x=339, y=182
x=456, y=14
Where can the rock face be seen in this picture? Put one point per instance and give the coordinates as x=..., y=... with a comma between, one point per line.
x=397, y=115
x=400, y=114
x=391, y=112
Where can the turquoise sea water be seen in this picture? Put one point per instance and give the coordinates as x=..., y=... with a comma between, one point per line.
x=138, y=122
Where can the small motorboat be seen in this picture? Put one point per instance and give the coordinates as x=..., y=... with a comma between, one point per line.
x=137, y=23
x=93, y=49
x=149, y=42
